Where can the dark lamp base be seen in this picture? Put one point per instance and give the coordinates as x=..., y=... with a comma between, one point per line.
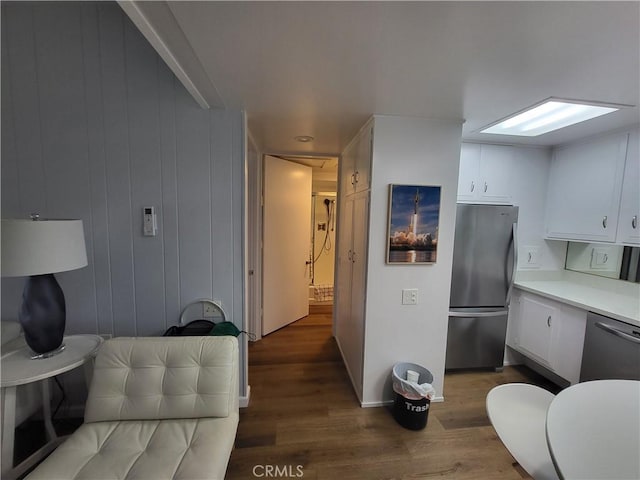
x=43, y=314
x=52, y=353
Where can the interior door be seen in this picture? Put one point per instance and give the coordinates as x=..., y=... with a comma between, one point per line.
x=286, y=243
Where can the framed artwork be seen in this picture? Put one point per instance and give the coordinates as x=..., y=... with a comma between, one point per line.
x=414, y=215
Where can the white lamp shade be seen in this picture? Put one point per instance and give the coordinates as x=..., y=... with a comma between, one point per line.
x=42, y=246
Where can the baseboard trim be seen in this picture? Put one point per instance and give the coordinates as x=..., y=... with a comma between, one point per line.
x=244, y=400
x=514, y=363
x=346, y=366
x=386, y=403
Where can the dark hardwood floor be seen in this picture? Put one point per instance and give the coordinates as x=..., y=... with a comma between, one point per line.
x=304, y=421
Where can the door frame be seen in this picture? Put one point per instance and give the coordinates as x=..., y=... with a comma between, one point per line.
x=254, y=237
x=254, y=174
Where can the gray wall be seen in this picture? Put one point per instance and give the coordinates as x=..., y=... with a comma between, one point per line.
x=95, y=126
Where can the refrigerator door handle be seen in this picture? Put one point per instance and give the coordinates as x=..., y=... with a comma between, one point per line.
x=514, y=239
x=468, y=314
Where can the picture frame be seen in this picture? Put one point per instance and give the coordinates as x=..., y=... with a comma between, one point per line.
x=414, y=218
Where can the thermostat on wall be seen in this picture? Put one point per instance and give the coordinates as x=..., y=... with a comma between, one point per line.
x=149, y=223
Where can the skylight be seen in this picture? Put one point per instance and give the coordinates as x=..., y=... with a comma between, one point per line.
x=548, y=116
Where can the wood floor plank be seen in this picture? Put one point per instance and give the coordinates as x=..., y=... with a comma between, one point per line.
x=304, y=414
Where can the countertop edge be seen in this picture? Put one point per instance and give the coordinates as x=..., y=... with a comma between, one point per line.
x=593, y=307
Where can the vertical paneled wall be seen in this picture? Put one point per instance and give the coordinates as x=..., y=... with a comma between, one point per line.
x=95, y=126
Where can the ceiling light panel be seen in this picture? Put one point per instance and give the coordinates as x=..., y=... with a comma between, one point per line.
x=548, y=116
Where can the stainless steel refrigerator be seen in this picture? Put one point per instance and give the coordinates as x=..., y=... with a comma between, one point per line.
x=484, y=263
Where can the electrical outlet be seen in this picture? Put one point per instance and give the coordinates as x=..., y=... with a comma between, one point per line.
x=410, y=296
x=208, y=310
x=531, y=256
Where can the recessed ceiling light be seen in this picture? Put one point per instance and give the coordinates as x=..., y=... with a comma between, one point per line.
x=304, y=138
x=552, y=114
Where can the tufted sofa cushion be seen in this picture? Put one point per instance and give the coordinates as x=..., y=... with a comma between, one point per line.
x=190, y=449
x=158, y=409
x=165, y=377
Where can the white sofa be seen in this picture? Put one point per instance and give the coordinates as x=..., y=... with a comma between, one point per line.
x=158, y=408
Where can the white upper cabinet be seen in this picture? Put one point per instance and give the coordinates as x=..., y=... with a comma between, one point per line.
x=585, y=183
x=356, y=162
x=485, y=174
x=469, y=172
x=629, y=218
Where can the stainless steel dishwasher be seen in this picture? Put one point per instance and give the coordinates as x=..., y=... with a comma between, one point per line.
x=611, y=350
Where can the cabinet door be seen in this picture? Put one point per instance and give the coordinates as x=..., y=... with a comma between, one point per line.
x=363, y=160
x=343, y=268
x=496, y=164
x=358, y=288
x=567, y=342
x=583, y=196
x=347, y=167
x=351, y=283
x=629, y=218
x=536, y=322
x=468, y=174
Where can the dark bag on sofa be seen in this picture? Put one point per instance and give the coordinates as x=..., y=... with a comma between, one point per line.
x=191, y=329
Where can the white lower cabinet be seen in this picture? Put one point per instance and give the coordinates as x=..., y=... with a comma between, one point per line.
x=548, y=332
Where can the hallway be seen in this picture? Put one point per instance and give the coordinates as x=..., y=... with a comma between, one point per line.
x=304, y=420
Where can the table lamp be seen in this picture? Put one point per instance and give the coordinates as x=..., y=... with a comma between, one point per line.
x=37, y=249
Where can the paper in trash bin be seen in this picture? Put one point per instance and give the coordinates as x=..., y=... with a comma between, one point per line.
x=412, y=390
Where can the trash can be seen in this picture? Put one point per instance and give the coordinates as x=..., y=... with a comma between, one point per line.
x=411, y=407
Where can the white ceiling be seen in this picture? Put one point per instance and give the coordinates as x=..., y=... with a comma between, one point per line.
x=322, y=68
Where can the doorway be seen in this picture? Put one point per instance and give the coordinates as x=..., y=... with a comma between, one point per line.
x=308, y=285
x=323, y=243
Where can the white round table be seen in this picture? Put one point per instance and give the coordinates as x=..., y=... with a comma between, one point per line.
x=18, y=368
x=593, y=430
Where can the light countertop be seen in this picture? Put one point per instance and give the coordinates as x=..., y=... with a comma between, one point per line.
x=612, y=298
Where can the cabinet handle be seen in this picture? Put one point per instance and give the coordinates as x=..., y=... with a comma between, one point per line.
x=349, y=255
x=357, y=176
x=634, y=222
x=353, y=179
x=549, y=321
x=473, y=187
x=353, y=257
x=604, y=222
x=617, y=333
x=485, y=187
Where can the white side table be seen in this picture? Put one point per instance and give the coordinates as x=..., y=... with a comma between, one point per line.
x=19, y=369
